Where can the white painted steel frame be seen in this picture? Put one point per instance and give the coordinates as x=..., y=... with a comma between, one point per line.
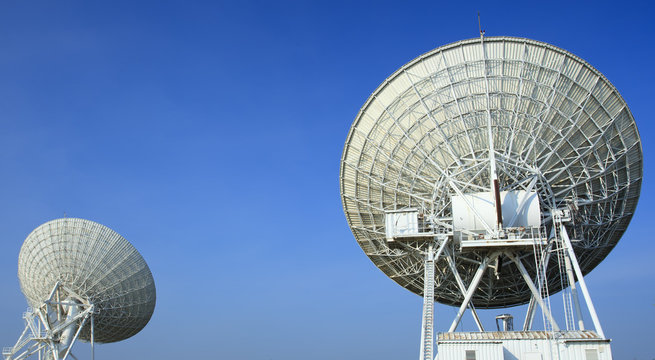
x=95, y=262
x=558, y=127
x=583, y=285
x=47, y=325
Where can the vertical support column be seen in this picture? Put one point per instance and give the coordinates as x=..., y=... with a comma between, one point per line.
x=574, y=292
x=93, y=341
x=583, y=285
x=427, y=328
x=529, y=315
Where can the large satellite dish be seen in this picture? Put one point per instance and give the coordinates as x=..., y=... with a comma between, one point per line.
x=93, y=284
x=490, y=145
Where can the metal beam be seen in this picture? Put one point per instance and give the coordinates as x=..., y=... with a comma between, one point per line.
x=529, y=316
x=93, y=342
x=77, y=334
x=46, y=336
x=462, y=288
x=469, y=293
x=574, y=292
x=535, y=292
x=583, y=285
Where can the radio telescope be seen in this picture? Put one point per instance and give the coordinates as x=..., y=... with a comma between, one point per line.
x=489, y=173
x=83, y=281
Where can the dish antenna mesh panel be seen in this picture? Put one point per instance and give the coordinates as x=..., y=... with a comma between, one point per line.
x=97, y=264
x=559, y=129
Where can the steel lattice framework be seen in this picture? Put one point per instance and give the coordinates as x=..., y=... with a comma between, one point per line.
x=97, y=265
x=559, y=128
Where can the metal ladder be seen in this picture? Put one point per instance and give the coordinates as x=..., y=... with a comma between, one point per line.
x=542, y=282
x=427, y=332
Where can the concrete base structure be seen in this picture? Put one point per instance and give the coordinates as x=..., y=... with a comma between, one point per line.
x=523, y=345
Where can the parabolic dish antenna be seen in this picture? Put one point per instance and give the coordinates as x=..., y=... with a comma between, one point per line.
x=427, y=147
x=89, y=279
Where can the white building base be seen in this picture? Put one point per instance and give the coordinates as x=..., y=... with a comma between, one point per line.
x=523, y=345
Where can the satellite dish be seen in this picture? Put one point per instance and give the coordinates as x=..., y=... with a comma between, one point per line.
x=475, y=156
x=91, y=282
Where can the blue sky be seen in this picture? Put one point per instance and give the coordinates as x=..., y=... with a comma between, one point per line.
x=209, y=135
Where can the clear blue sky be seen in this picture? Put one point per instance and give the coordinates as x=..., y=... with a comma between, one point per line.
x=210, y=134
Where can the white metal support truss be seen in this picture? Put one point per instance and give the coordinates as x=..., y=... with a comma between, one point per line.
x=535, y=292
x=52, y=329
x=471, y=289
x=462, y=288
x=542, y=269
x=578, y=272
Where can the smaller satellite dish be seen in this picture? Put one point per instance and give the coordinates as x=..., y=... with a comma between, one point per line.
x=82, y=281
